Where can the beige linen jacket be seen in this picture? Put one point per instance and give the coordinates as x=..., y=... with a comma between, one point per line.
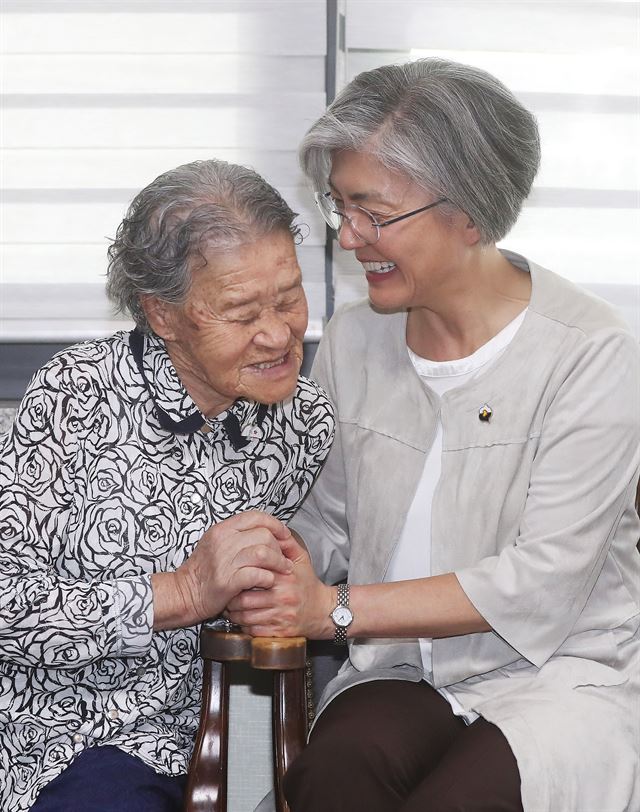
x=534, y=512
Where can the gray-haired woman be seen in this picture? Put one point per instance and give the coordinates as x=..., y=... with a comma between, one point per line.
x=145, y=482
x=479, y=497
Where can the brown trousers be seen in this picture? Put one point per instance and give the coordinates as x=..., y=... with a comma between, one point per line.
x=396, y=746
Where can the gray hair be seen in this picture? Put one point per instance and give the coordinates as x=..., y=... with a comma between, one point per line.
x=455, y=130
x=201, y=205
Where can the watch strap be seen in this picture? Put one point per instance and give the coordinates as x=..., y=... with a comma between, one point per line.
x=340, y=634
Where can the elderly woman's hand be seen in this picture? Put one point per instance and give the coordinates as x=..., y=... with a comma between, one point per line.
x=240, y=553
x=298, y=603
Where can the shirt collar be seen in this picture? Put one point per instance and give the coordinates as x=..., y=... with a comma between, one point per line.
x=175, y=409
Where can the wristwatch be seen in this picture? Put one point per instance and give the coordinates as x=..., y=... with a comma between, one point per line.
x=342, y=616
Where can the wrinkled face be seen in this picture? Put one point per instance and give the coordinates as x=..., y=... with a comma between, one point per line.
x=415, y=258
x=240, y=332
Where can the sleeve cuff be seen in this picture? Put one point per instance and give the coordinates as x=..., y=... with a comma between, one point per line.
x=133, y=606
x=523, y=624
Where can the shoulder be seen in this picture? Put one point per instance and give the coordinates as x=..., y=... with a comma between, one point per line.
x=304, y=423
x=360, y=342
x=571, y=306
x=89, y=364
x=582, y=333
x=76, y=380
x=65, y=393
x=310, y=405
x=358, y=322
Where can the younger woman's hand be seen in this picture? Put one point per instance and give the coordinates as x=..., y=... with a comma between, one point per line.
x=298, y=603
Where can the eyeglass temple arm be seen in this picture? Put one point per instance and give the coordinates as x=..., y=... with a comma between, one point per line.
x=411, y=213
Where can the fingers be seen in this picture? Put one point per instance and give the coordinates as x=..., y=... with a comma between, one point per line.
x=250, y=619
x=292, y=549
x=270, y=631
x=252, y=600
x=248, y=578
x=252, y=519
x=265, y=625
x=298, y=538
x=277, y=608
x=264, y=557
x=237, y=554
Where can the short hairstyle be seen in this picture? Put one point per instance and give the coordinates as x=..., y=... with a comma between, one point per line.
x=197, y=206
x=455, y=130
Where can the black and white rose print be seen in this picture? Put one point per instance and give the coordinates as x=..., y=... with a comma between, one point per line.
x=94, y=497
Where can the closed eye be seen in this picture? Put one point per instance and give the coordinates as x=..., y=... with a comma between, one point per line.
x=378, y=215
x=244, y=316
x=290, y=304
x=339, y=207
x=292, y=299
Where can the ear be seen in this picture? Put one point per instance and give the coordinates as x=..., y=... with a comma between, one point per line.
x=471, y=233
x=160, y=316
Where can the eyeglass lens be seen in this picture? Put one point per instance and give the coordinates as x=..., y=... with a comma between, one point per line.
x=361, y=221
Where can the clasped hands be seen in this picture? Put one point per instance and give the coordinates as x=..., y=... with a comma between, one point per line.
x=296, y=604
x=253, y=569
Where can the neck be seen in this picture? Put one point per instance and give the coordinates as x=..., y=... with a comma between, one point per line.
x=209, y=402
x=477, y=302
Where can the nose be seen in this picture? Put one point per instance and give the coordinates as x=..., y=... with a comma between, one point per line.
x=348, y=237
x=274, y=330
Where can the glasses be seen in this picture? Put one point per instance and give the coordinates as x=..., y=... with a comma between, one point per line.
x=363, y=224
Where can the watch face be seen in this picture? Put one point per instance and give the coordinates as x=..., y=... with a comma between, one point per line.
x=342, y=616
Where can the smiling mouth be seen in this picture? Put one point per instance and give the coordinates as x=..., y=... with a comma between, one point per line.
x=378, y=267
x=270, y=364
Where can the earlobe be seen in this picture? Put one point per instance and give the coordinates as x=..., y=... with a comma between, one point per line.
x=159, y=316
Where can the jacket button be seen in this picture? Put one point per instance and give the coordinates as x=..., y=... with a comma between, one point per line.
x=78, y=738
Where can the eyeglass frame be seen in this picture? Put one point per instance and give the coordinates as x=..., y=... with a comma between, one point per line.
x=319, y=196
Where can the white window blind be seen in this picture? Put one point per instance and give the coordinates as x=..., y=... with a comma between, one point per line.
x=100, y=97
x=576, y=66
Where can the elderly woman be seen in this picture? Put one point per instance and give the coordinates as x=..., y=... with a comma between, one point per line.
x=145, y=482
x=479, y=497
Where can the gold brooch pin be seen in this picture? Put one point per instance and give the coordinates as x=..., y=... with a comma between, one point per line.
x=485, y=413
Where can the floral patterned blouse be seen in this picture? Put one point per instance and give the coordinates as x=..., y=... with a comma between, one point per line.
x=107, y=476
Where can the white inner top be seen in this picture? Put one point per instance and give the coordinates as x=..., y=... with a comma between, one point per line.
x=412, y=556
